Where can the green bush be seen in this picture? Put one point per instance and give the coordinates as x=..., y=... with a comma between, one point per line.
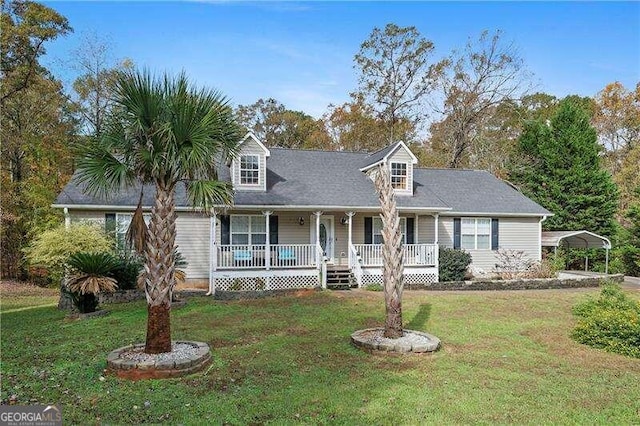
x=374, y=287
x=610, y=322
x=453, y=264
x=127, y=270
x=51, y=249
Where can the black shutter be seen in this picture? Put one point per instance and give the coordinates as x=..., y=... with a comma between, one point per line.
x=494, y=234
x=411, y=236
x=456, y=233
x=225, y=230
x=110, y=224
x=273, y=229
x=368, y=230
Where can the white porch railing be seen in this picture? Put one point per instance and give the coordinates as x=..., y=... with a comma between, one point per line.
x=414, y=254
x=354, y=264
x=242, y=256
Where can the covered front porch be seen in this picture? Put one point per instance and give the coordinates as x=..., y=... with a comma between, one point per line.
x=270, y=250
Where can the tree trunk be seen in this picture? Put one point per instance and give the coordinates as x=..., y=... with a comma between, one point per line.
x=393, y=265
x=160, y=270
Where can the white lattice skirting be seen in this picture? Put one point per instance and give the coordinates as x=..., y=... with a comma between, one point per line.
x=418, y=277
x=267, y=282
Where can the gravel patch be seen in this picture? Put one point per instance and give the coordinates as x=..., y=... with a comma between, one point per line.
x=179, y=351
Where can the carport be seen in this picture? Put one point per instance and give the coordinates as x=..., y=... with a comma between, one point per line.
x=577, y=239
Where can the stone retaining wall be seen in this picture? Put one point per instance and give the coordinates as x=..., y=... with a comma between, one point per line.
x=123, y=296
x=519, y=284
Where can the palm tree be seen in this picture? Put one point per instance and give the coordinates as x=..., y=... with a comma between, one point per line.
x=163, y=132
x=392, y=254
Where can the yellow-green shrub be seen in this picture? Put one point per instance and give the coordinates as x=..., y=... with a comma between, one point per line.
x=51, y=249
x=611, y=322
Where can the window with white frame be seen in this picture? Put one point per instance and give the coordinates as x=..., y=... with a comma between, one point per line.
x=123, y=220
x=475, y=233
x=248, y=230
x=399, y=175
x=249, y=169
x=377, y=230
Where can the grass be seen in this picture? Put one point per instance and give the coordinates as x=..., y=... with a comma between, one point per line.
x=507, y=358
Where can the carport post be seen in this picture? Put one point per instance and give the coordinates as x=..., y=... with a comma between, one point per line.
x=606, y=261
x=586, y=262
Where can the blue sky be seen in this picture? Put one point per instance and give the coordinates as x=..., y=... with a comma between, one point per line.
x=301, y=53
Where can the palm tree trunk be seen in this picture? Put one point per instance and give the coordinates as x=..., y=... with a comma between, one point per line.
x=393, y=265
x=160, y=270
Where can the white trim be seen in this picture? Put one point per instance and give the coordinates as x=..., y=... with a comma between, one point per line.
x=257, y=207
x=250, y=135
x=475, y=233
x=491, y=214
x=384, y=159
x=248, y=185
x=249, y=232
x=406, y=188
x=316, y=233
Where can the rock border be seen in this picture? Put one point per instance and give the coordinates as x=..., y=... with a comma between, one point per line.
x=140, y=370
x=358, y=339
x=77, y=316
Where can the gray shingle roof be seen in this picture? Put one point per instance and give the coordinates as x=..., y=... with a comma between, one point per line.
x=332, y=179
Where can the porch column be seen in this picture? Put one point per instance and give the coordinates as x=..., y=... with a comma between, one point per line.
x=318, y=255
x=67, y=218
x=350, y=216
x=435, y=233
x=267, y=246
x=213, y=250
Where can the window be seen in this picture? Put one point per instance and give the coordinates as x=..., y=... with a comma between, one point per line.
x=123, y=220
x=399, y=175
x=249, y=170
x=248, y=230
x=475, y=234
x=377, y=230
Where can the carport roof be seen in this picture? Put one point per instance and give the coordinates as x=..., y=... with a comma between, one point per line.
x=577, y=239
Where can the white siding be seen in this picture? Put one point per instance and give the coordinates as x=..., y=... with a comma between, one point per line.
x=514, y=233
x=402, y=156
x=192, y=239
x=426, y=229
x=250, y=147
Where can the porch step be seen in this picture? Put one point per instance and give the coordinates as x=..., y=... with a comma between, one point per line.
x=340, y=278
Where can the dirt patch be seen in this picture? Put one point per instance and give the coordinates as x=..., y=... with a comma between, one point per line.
x=11, y=288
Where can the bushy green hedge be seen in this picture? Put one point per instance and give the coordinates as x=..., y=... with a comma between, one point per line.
x=610, y=322
x=127, y=271
x=51, y=249
x=453, y=264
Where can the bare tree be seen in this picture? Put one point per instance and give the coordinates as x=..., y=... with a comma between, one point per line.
x=95, y=85
x=395, y=73
x=485, y=75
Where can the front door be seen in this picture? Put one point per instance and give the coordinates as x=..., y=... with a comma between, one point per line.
x=327, y=235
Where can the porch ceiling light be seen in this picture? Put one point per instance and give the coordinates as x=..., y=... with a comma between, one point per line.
x=301, y=220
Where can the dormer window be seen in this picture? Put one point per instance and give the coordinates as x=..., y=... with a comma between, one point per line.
x=249, y=170
x=399, y=176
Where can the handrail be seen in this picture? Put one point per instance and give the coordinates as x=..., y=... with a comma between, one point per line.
x=355, y=266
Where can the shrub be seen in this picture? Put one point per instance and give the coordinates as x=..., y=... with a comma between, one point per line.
x=374, y=287
x=610, y=322
x=127, y=271
x=90, y=276
x=542, y=269
x=512, y=264
x=52, y=248
x=453, y=264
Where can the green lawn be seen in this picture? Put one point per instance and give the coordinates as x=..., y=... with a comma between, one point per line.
x=507, y=358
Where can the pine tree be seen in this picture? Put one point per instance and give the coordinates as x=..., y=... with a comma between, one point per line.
x=560, y=168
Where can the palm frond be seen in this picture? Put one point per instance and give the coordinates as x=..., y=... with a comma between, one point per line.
x=205, y=194
x=136, y=236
